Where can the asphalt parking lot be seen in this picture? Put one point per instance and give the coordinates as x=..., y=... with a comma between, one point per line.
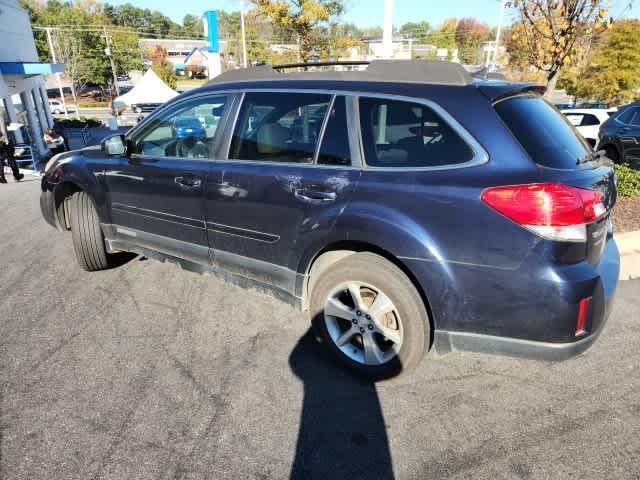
x=149, y=371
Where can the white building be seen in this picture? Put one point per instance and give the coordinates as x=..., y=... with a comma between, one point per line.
x=177, y=49
x=24, y=107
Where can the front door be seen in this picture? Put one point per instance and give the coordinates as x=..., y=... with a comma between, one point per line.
x=156, y=192
x=278, y=193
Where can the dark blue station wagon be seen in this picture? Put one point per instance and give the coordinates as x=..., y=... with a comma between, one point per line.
x=406, y=207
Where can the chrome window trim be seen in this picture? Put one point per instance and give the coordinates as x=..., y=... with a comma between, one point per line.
x=633, y=114
x=325, y=121
x=480, y=155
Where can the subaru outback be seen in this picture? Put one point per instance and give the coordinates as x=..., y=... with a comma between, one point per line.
x=406, y=207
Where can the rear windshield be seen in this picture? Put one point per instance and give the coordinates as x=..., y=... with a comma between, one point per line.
x=546, y=135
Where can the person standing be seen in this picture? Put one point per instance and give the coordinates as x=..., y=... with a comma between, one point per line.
x=7, y=151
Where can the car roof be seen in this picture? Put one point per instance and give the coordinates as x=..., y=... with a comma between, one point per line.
x=434, y=72
x=406, y=78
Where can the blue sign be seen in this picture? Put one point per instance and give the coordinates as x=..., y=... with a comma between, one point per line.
x=211, y=30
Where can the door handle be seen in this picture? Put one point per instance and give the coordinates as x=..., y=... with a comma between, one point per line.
x=189, y=182
x=316, y=195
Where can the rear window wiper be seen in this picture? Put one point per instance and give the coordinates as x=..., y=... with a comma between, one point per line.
x=595, y=156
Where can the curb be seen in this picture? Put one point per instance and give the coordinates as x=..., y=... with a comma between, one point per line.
x=629, y=248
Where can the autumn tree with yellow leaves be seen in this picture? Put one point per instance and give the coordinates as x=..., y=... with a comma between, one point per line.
x=550, y=33
x=301, y=17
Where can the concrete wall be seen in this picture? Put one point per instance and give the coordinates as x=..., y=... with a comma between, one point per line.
x=15, y=31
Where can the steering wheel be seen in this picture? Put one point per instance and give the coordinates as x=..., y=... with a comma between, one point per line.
x=192, y=147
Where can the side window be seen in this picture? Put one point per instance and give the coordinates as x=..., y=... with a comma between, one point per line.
x=279, y=127
x=635, y=121
x=589, y=120
x=626, y=115
x=575, y=118
x=185, y=131
x=403, y=134
x=334, y=149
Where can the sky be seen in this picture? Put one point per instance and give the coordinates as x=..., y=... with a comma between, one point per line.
x=365, y=13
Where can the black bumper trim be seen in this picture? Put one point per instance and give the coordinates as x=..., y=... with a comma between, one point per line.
x=445, y=342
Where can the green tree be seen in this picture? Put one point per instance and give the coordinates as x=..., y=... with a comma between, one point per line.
x=613, y=76
x=302, y=17
x=445, y=35
x=418, y=31
x=193, y=26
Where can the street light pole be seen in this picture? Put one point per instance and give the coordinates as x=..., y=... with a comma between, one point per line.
x=107, y=52
x=497, y=44
x=244, y=38
x=387, y=34
x=57, y=74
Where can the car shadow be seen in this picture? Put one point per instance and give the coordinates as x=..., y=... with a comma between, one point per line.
x=120, y=259
x=342, y=432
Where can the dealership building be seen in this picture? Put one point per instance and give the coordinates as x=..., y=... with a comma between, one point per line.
x=24, y=108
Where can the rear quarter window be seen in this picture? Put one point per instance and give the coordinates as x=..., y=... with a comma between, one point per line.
x=546, y=135
x=402, y=134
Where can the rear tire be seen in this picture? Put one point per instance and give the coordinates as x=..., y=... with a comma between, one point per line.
x=88, y=239
x=400, y=329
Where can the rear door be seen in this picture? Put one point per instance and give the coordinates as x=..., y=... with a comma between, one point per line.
x=630, y=138
x=288, y=175
x=555, y=146
x=157, y=191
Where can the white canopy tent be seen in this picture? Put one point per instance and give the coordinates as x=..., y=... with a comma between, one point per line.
x=149, y=90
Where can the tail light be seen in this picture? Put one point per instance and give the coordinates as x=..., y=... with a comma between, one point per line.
x=550, y=210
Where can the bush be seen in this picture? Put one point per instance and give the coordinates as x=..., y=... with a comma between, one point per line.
x=628, y=181
x=75, y=123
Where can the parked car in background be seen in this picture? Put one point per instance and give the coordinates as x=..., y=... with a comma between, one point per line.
x=619, y=136
x=145, y=107
x=588, y=121
x=188, y=126
x=405, y=207
x=593, y=105
x=56, y=107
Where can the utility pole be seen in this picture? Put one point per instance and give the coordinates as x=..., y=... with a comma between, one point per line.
x=107, y=52
x=244, y=38
x=57, y=74
x=387, y=34
x=496, y=47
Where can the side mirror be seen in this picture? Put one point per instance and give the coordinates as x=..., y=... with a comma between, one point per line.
x=115, y=146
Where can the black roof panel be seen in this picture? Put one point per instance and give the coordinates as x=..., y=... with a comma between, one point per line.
x=431, y=72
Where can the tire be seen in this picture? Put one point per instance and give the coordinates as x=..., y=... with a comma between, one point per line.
x=612, y=153
x=88, y=239
x=407, y=322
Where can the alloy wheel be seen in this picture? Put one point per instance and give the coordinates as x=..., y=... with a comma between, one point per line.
x=363, y=323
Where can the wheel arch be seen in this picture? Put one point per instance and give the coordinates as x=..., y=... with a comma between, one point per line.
x=338, y=250
x=62, y=193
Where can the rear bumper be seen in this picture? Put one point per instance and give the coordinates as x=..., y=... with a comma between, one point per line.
x=482, y=316
x=446, y=342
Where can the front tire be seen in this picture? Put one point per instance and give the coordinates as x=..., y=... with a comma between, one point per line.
x=370, y=316
x=88, y=239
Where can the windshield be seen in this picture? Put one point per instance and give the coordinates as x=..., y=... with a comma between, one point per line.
x=546, y=135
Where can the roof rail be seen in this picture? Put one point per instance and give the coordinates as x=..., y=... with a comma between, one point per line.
x=287, y=66
x=434, y=72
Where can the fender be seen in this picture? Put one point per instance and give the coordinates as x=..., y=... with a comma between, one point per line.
x=82, y=169
x=394, y=233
